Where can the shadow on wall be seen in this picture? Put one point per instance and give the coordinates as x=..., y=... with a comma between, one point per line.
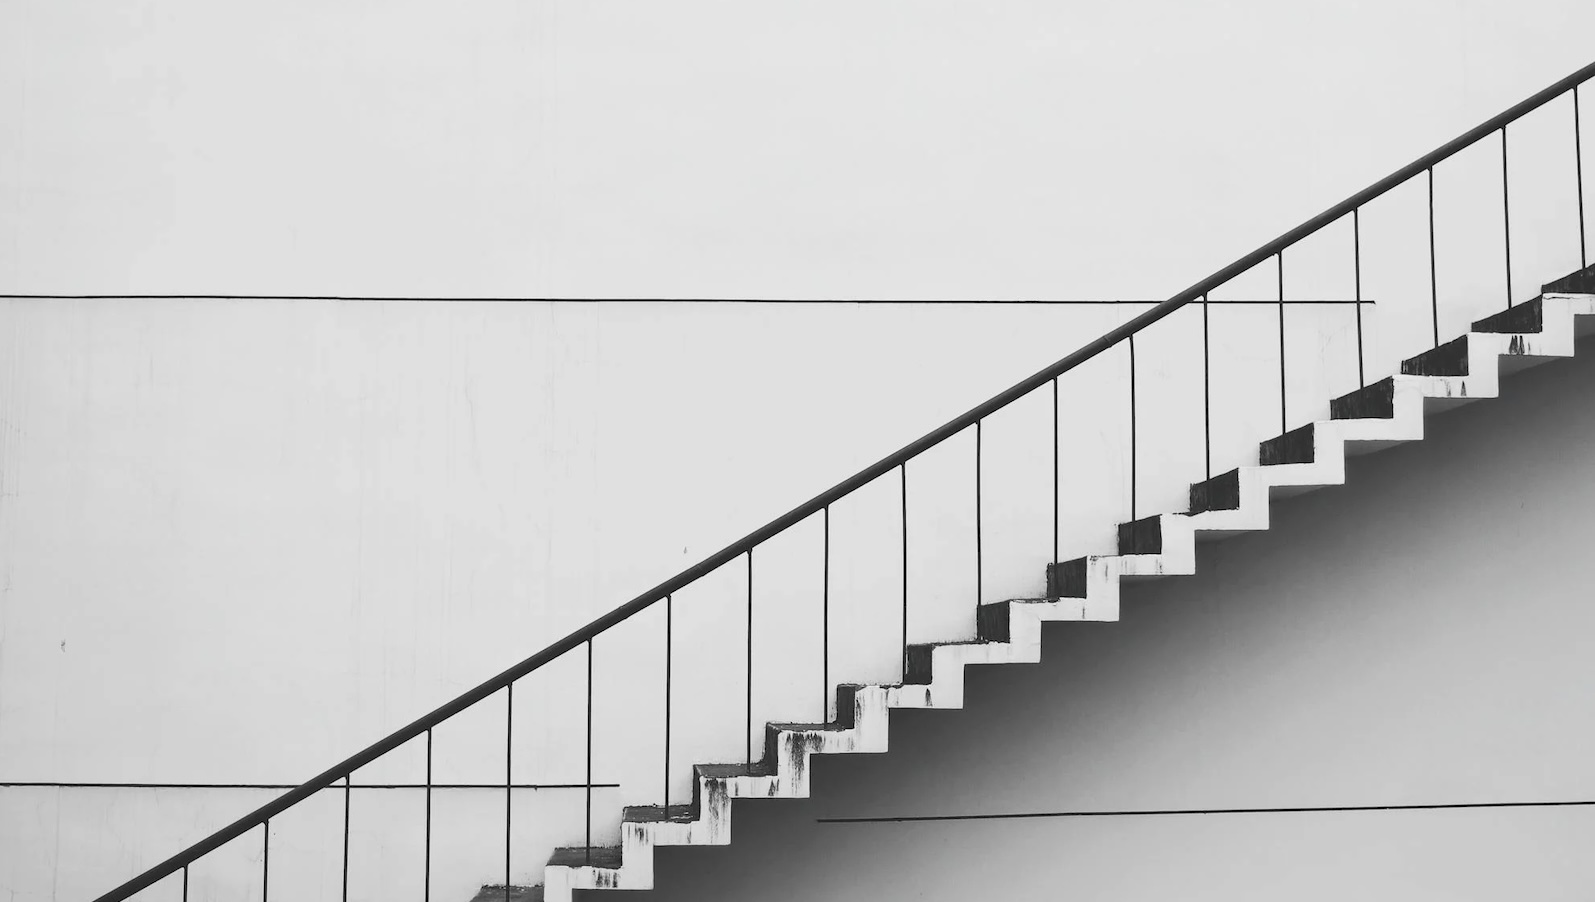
x=1422, y=635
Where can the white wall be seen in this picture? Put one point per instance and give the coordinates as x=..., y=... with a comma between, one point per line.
x=691, y=149
x=245, y=538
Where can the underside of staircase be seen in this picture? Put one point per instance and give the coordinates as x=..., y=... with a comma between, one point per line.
x=1381, y=414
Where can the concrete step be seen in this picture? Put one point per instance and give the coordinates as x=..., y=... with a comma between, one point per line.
x=1386, y=412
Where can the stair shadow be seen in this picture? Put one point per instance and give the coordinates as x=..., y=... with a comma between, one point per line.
x=1398, y=640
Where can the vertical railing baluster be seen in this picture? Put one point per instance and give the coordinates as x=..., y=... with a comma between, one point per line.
x=1284, y=423
x=747, y=727
x=346, y=788
x=509, y=758
x=1578, y=167
x=1056, y=488
x=979, y=580
x=1434, y=283
x=588, y=783
x=185, y=883
x=668, y=669
x=426, y=854
x=1356, y=268
x=1207, y=397
x=1506, y=219
x=825, y=617
x=1132, y=428
x=265, y=860
x=902, y=470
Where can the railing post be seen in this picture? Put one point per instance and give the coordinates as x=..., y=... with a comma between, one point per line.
x=1207, y=397
x=346, y=789
x=1132, y=430
x=265, y=860
x=1578, y=167
x=1284, y=424
x=1356, y=268
x=825, y=615
x=668, y=668
x=979, y=577
x=509, y=774
x=1506, y=219
x=747, y=727
x=1056, y=487
x=1434, y=284
x=426, y=855
x=589, y=781
x=902, y=470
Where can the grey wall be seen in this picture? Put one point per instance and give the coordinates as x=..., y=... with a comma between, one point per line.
x=244, y=538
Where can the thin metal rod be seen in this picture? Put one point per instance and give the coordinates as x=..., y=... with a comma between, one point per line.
x=747, y=731
x=1207, y=396
x=589, y=779
x=902, y=470
x=265, y=860
x=1056, y=488
x=1132, y=428
x=185, y=883
x=346, y=838
x=1284, y=425
x=1506, y=219
x=825, y=619
x=1578, y=166
x=668, y=669
x=1356, y=266
x=426, y=889
x=509, y=763
x=979, y=580
x=780, y=524
x=1434, y=283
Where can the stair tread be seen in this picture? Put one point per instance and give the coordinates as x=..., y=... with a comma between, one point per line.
x=1293, y=447
x=498, y=892
x=1376, y=400
x=1449, y=359
x=582, y=856
x=728, y=772
x=1221, y=492
x=1527, y=318
x=799, y=727
x=1581, y=282
x=639, y=814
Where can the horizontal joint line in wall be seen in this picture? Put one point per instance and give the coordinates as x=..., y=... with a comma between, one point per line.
x=1186, y=811
x=336, y=787
x=484, y=300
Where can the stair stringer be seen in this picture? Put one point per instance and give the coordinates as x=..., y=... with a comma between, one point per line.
x=784, y=772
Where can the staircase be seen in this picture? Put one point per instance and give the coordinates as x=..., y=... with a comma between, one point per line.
x=1378, y=415
x=1385, y=413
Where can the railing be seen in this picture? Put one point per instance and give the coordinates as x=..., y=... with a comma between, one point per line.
x=338, y=776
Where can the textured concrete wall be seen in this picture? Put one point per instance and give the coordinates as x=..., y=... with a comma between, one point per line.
x=243, y=539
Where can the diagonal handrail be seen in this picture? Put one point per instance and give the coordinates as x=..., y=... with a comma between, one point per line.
x=419, y=727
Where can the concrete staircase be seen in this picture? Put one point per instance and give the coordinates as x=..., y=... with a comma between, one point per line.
x=1377, y=416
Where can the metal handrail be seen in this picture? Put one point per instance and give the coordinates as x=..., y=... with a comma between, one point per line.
x=821, y=502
